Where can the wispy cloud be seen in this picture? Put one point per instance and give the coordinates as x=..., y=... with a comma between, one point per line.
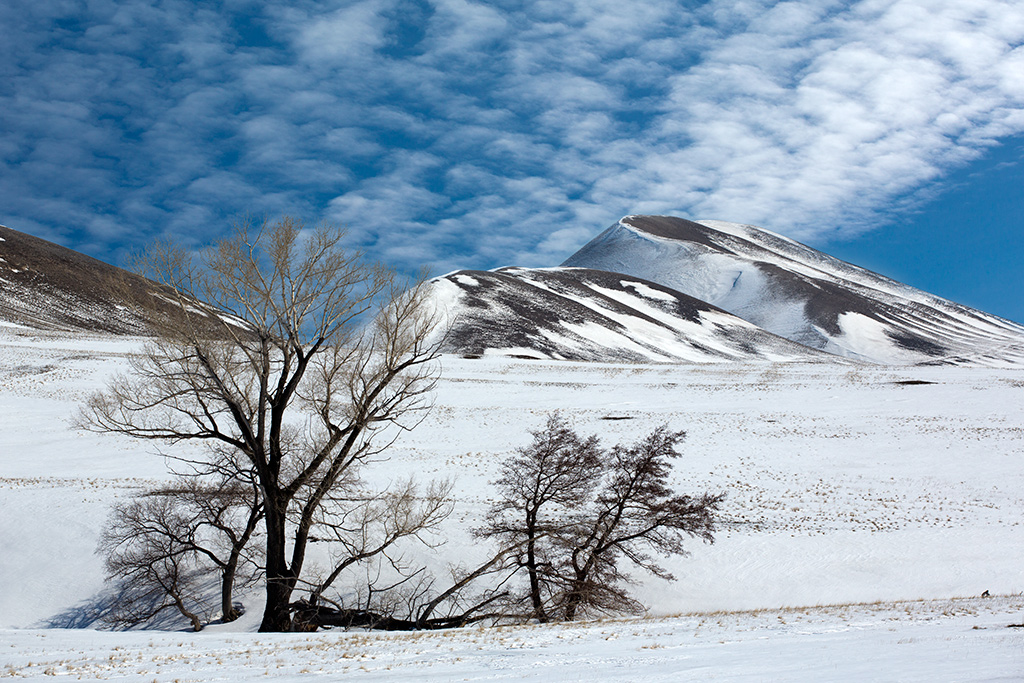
x=458, y=133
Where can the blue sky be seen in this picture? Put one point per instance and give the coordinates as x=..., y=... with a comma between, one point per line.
x=453, y=133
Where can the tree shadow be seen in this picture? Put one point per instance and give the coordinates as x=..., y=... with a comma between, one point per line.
x=90, y=613
x=99, y=612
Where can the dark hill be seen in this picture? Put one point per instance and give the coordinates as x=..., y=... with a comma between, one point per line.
x=46, y=286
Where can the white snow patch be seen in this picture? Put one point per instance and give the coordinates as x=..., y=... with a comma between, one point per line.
x=866, y=337
x=602, y=335
x=519, y=351
x=648, y=292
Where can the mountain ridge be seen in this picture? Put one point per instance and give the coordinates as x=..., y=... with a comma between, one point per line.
x=647, y=289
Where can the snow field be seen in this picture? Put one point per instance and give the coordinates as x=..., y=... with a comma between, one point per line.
x=843, y=485
x=846, y=484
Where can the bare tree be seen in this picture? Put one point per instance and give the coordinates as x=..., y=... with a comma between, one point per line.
x=275, y=361
x=635, y=512
x=543, y=486
x=579, y=510
x=208, y=516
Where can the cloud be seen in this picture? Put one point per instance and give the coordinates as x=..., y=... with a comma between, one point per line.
x=461, y=133
x=829, y=123
x=351, y=33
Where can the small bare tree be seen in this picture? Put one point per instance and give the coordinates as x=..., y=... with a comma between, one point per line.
x=544, y=488
x=272, y=358
x=208, y=516
x=635, y=512
x=576, y=511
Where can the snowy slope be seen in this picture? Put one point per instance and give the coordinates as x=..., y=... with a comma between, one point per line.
x=802, y=294
x=592, y=315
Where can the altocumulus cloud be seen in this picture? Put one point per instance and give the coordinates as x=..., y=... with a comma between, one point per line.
x=467, y=134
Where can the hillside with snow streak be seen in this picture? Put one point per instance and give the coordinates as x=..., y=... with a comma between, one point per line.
x=802, y=294
x=44, y=286
x=592, y=315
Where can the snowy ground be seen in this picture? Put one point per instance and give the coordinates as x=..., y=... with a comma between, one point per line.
x=845, y=484
x=956, y=640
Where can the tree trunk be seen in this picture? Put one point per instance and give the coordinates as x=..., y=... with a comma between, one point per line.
x=575, y=596
x=570, y=608
x=280, y=581
x=227, y=587
x=531, y=566
x=197, y=625
x=531, y=569
x=277, y=616
x=227, y=584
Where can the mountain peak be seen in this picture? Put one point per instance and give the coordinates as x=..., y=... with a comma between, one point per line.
x=800, y=293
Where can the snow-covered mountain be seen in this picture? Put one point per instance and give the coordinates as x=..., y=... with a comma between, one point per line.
x=648, y=289
x=593, y=315
x=802, y=294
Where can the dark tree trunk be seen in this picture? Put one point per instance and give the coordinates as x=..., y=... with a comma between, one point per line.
x=575, y=596
x=570, y=606
x=227, y=583
x=277, y=616
x=197, y=625
x=231, y=568
x=310, y=617
x=531, y=570
x=280, y=579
